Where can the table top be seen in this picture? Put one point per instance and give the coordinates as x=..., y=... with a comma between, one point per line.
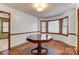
x=39, y=38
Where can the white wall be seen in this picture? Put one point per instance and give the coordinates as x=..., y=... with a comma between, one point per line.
x=72, y=16
x=20, y=22
x=19, y=39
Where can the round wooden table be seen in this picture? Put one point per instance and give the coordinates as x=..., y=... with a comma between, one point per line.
x=39, y=39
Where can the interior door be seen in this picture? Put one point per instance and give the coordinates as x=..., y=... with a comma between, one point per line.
x=4, y=31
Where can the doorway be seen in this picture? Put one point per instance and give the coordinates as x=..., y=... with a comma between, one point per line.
x=4, y=30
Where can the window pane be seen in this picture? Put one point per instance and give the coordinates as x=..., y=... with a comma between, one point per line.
x=64, y=28
x=5, y=26
x=65, y=21
x=53, y=26
x=43, y=26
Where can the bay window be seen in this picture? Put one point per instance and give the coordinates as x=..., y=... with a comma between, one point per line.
x=58, y=26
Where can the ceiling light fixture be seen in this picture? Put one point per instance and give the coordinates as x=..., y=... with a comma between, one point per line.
x=40, y=6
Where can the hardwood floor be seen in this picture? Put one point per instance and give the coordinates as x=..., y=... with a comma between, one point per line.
x=54, y=48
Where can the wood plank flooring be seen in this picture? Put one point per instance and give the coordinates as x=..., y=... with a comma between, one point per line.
x=54, y=48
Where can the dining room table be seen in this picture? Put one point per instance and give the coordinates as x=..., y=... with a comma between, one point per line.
x=39, y=39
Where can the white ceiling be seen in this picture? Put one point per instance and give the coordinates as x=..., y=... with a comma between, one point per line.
x=51, y=10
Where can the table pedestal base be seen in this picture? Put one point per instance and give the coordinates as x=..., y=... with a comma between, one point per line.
x=39, y=51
